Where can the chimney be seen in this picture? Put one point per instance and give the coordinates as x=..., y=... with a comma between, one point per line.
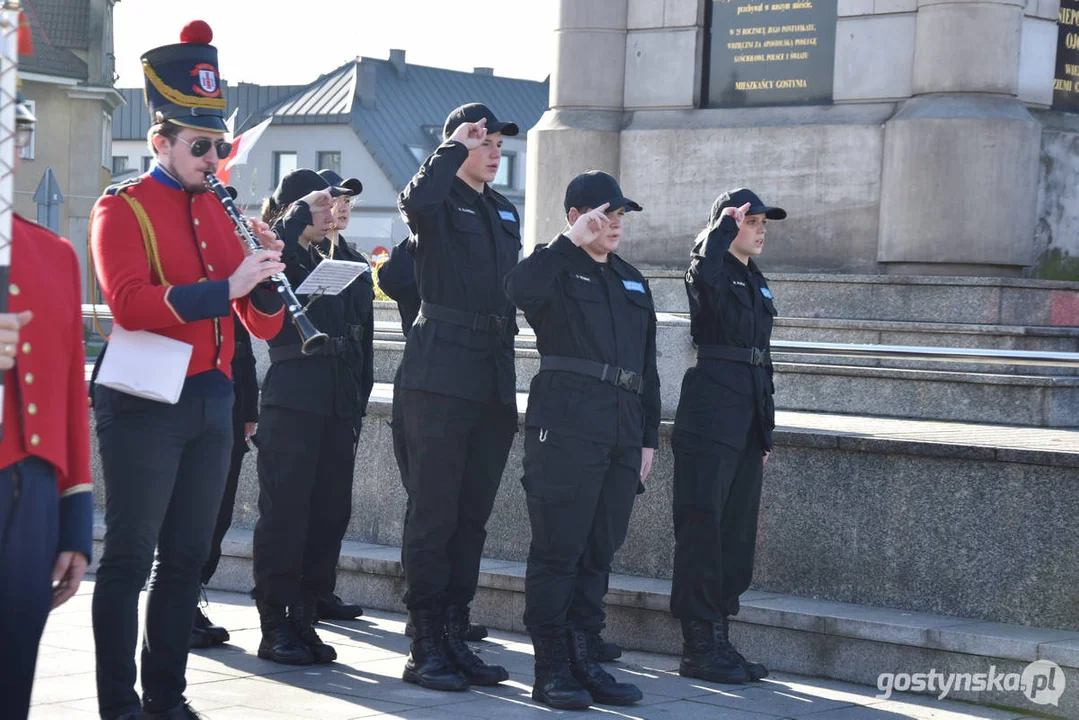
x=397, y=59
x=484, y=71
x=366, y=84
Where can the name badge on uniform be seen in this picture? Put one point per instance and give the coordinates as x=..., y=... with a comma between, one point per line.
x=507, y=215
x=633, y=286
x=766, y=293
x=583, y=277
x=466, y=210
x=739, y=283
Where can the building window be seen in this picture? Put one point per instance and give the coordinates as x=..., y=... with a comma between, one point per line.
x=283, y=164
x=506, y=170
x=119, y=164
x=147, y=161
x=329, y=160
x=27, y=153
x=417, y=152
x=106, y=140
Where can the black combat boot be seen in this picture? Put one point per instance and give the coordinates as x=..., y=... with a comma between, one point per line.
x=605, y=689
x=183, y=711
x=205, y=634
x=461, y=655
x=331, y=607
x=555, y=684
x=703, y=659
x=279, y=641
x=604, y=651
x=302, y=617
x=721, y=632
x=427, y=664
x=475, y=632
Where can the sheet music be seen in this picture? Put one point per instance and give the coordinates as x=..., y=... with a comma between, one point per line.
x=330, y=277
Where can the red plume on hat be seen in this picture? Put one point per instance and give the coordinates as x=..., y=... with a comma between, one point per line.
x=197, y=31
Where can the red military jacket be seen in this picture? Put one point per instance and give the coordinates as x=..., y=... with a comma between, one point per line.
x=163, y=258
x=45, y=404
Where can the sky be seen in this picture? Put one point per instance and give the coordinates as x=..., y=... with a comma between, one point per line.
x=295, y=42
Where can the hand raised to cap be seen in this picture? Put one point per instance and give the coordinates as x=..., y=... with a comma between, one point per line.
x=471, y=135
x=739, y=213
x=319, y=202
x=589, y=226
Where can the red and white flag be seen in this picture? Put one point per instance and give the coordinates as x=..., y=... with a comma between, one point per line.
x=241, y=147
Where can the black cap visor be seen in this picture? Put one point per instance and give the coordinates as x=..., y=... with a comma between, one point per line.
x=772, y=213
x=623, y=202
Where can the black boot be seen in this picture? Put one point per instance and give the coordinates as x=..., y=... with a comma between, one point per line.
x=302, y=616
x=214, y=634
x=331, y=607
x=703, y=659
x=555, y=684
x=721, y=632
x=461, y=655
x=183, y=711
x=604, y=651
x=604, y=688
x=475, y=632
x=279, y=641
x=427, y=664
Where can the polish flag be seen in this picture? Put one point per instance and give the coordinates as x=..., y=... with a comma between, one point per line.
x=241, y=147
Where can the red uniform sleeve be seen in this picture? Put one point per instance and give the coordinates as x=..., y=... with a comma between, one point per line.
x=123, y=270
x=76, y=499
x=261, y=324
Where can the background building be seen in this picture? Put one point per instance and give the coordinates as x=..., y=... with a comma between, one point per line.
x=372, y=119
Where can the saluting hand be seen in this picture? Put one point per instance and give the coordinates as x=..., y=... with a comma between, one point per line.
x=10, y=324
x=589, y=226
x=321, y=205
x=266, y=237
x=739, y=213
x=256, y=268
x=471, y=135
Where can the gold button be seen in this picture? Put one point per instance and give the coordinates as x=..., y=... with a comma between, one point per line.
x=219, y=361
x=13, y=289
x=196, y=222
x=204, y=246
x=32, y=409
x=29, y=378
x=210, y=268
x=35, y=440
x=26, y=348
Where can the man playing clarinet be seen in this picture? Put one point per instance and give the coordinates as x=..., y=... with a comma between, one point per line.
x=169, y=262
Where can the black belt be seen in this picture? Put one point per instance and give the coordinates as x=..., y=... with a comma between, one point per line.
x=751, y=356
x=625, y=379
x=493, y=324
x=334, y=346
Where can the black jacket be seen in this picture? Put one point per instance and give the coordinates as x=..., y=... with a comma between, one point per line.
x=245, y=384
x=602, y=312
x=464, y=243
x=730, y=305
x=336, y=385
x=397, y=278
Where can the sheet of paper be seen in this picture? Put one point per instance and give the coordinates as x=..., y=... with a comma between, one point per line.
x=145, y=364
x=330, y=277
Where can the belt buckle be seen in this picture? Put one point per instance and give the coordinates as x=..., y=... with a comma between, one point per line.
x=758, y=357
x=628, y=380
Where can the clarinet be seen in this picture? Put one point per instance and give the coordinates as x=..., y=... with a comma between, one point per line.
x=311, y=340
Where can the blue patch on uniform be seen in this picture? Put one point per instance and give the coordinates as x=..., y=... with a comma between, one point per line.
x=633, y=285
x=507, y=215
x=766, y=293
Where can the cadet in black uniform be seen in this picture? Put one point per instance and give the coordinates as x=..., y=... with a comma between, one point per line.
x=312, y=407
x=245, y=404
x=722, y=435
x=457, y=389
x=591, y=408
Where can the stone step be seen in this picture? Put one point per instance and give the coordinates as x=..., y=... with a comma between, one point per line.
x=988, y=396
x=973, y=300
x=788, y=633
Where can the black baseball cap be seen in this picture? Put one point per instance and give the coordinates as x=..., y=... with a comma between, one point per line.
x=592, y=189
x=336, y=180
x=300, y=182
x=474, y=112
x=738, y=198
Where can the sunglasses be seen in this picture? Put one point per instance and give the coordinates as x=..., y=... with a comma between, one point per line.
x=202, y=146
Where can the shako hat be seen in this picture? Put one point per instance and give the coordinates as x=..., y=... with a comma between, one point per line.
x=183, y=83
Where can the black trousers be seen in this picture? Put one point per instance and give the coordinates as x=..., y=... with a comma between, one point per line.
x=457, y=451
x=228, y=499
x=580, y=497
x=164, y=468
x=400, y=451
x=305, y=467
x=29, y=532
x=717, y=492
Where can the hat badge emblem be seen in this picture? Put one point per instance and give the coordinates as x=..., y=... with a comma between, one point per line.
x=207, y=80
